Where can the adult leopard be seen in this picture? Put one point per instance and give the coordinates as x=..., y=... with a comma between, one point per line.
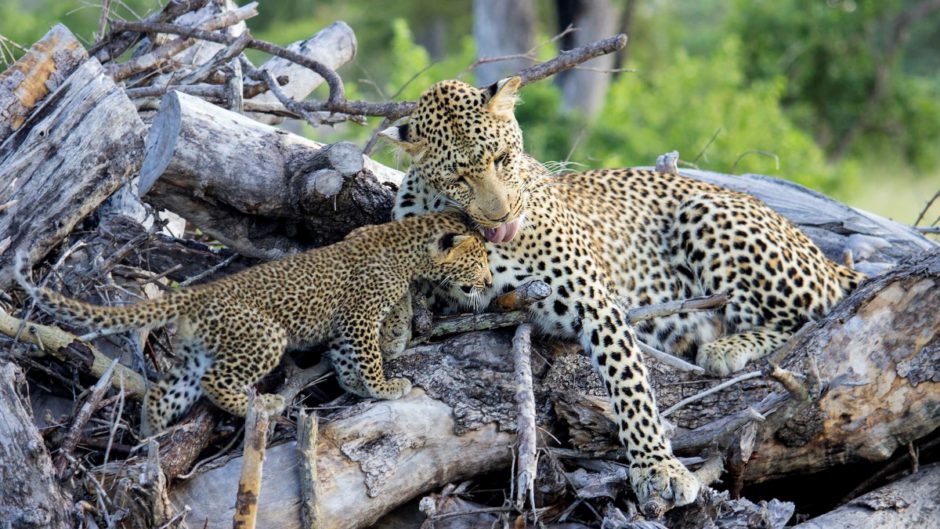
x=642, y=236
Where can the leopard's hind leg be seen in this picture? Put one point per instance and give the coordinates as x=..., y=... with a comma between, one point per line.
x=170, y=398
x=245, y=347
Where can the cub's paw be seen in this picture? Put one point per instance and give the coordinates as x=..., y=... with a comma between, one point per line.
x=662, y=485
x=271, y=403
x=393, y=388
x=721, y=359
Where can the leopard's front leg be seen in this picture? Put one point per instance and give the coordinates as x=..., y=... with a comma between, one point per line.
x=659, y=480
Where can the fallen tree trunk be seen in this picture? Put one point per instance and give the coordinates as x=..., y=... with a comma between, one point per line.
x=905, y=503
x=63, y=161
x=30, y=491
x=35, y=75
x=262, y=191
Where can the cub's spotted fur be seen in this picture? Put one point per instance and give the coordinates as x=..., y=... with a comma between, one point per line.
x=597, y=236
x=232, y=332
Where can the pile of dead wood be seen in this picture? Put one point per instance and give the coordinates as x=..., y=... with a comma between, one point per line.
x=124, y=166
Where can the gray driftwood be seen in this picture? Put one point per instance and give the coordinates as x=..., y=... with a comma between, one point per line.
x=30, y=493
x=263, y=191
x=80, y=146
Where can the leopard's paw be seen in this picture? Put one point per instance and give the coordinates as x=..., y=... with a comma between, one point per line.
x=393, y=388
x=719, y=359
x=661, y=485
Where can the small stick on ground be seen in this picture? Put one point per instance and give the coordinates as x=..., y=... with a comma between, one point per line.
x=525, y=406
x=82, y=417
x=249, y=484
x=307, y=429
x=298, y=379
x=522, y=296
x=714, y=389
x=67, y=347
x=670, y=360
x=669, y=308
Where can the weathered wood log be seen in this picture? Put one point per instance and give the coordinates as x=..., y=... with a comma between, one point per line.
x=260, y=190
x=905, y=503
x=334, y=46
x=378, y=457
x=35, y=75
x=63, y=161
x=30, y=494
x=872, y=378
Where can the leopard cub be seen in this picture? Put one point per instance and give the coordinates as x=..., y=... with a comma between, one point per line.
x=232, y=332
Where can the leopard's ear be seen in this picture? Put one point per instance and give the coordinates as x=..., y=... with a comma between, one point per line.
x=503, y=97
x=400, y=136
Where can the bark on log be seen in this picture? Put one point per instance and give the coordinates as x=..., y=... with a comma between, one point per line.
x=36, y=74
x=30, y=495
x=66, y=158
x=908, y=502
x=260, y=190
x=378, y=457
x=875, y=357
x=334, y=46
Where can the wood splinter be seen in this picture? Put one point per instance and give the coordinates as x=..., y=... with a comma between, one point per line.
x=307, y=432
x=526, y=464
x=249, y=484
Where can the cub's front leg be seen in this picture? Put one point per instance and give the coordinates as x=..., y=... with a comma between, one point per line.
x=396, y=328
x=357, y=358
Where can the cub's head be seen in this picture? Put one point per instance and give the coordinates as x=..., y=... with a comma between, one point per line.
x=465, y=142
x=459, y=259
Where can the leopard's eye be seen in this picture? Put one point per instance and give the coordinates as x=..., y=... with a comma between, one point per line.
x=500, y=160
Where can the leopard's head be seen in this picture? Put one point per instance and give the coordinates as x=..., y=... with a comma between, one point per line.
x=465, y=142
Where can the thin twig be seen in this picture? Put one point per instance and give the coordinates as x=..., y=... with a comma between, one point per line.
x=83, y=415
x=337, y=95
x=525, y=410
x=67, y=347
x=249, y=484
x=699, y=396
x=670, y=360
x=206, y=273
x=307, y=430
x=163, y=53
x=927, y=207
x=707, y=145
x=638, y=314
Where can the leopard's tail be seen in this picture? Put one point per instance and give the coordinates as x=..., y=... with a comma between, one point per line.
x=147, y=314
x=849, y=279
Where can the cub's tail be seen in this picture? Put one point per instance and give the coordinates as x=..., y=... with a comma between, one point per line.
x=147, y=314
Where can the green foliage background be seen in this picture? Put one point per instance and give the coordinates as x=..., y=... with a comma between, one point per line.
x=769, y=86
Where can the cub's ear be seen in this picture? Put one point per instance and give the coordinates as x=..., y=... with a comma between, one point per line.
x=503, y=97
x=399, y=135
x=450, y=245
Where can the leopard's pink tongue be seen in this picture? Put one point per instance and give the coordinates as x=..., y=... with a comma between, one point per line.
x=503, y=232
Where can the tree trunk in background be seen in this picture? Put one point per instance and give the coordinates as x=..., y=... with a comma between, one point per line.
x=626, y=22
x=502, y=28
x=583, y=89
